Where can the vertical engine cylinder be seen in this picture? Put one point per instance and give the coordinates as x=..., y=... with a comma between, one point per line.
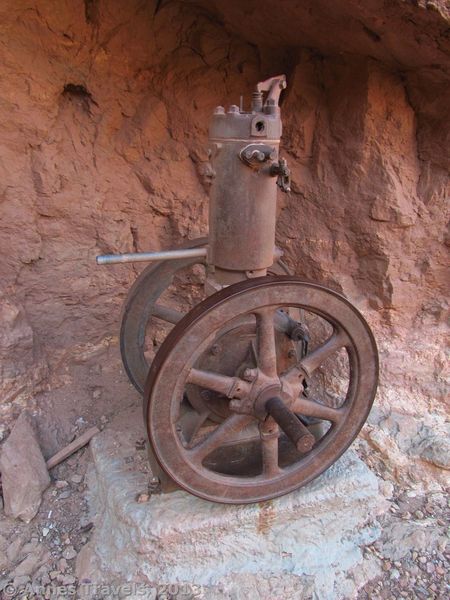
x=244, y=155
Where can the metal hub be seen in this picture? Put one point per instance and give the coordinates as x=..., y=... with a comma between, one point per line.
x=264, y=446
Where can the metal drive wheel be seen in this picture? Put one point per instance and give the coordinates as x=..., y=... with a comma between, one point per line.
x=147, y=316
x=289, y=415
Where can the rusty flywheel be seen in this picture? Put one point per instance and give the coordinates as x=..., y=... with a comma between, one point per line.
x=272, y=418
x=145, y=310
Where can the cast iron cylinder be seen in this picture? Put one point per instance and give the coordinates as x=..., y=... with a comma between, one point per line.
x=242, y=215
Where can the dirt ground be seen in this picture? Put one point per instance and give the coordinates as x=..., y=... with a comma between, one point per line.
x=412, y=551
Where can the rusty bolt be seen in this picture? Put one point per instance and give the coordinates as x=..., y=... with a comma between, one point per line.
x=250, y=374
x=235, y=405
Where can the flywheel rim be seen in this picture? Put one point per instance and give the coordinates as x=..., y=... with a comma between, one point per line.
x=168, y=449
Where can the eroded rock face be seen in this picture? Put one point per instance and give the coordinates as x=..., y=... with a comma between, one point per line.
x=22, y=366
x=104, y=111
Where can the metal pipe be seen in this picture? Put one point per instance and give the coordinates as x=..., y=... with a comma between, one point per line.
x=111, y=259
x=167, y=314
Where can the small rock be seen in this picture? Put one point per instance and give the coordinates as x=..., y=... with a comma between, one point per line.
x=395, y=574
x=45, y=531
x=53, y=574
x=422, y=559
x=69, y=553
x=104, y=419
x=76, y=478
x=68, y=580
x=64, y=495
x=45, y=579
x=28, y=566
x=96, y=393
x=442, y=544
x=430, y=567
x=60, y=484
x=400, y=537
x=386, y=489
x=24, y=472
x=436, y=450
x=20, y=581
x=62, y=564
x=143, y=497
x=140, y=444
x=4, y=562
x=419, y=514
x=14, y=549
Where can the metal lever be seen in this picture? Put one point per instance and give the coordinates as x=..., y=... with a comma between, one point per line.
x=273, y=86
x=283, y=174
x=299, y=435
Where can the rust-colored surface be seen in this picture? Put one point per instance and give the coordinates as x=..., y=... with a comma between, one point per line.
x=257, y=452
x=104, y=112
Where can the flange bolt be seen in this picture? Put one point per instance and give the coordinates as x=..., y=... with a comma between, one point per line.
x=250, y=374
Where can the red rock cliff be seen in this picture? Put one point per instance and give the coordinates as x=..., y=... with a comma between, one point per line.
x=104, y=107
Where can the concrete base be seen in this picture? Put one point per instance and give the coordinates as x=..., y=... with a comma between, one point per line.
x=304, y=545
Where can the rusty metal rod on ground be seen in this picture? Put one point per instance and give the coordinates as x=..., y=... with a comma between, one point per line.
x=111, y=259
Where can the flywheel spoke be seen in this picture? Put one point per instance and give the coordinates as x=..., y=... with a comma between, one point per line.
x=266, y=346
x=260, y=429
x=269, y=446
x=232, y=387
x=310, y=408
x=167, y=314
x=224, y=433
x=312, y=361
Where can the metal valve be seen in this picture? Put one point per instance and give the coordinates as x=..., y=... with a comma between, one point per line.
x=283, y=174
x=253, y=155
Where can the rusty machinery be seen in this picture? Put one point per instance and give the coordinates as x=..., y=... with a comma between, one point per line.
x=263, y=380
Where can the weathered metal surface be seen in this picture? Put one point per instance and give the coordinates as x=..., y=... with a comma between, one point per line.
x=299, y=435
x=262, y=385
x=111, y=259
x=244, y=150
x=141, y=307
x=203, y=463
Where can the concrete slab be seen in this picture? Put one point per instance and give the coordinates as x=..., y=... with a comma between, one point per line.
x=304, y=545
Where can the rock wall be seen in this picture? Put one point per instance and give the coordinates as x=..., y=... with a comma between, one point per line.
x=104, y=107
